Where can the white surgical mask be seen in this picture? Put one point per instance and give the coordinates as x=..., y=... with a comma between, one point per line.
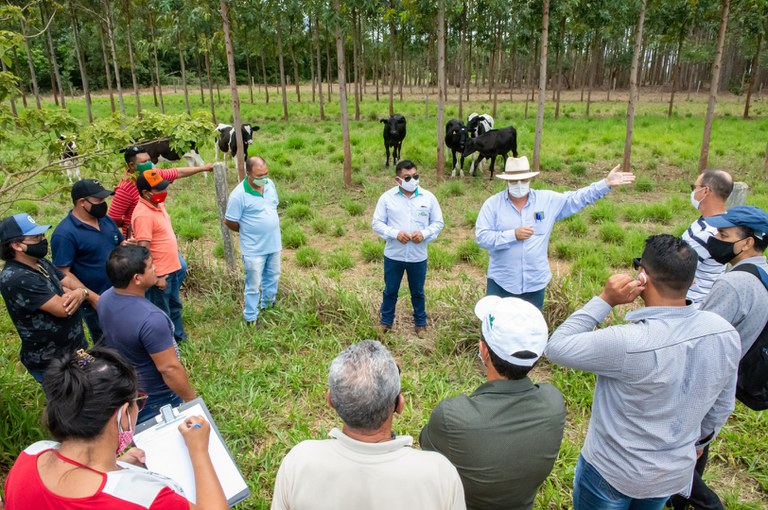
x=518, y=189
x=695, y=203
x=409, y=186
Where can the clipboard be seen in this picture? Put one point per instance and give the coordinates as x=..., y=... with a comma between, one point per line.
x=167, y=454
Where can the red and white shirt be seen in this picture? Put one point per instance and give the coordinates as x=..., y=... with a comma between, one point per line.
x=127, y=196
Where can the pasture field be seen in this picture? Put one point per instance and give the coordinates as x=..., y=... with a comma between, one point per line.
x=266, y=385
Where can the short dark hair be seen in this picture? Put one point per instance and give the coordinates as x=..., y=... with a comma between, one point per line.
x=124, y=262
x=131, y=153
x=760, y=244
x=506, y=369
x=84, y=391
x=671, y=264
x=405, y=164
x=719, y=181
x=254, y=161
x=6, y=251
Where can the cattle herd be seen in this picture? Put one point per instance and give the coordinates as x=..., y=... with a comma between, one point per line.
x=477, y=136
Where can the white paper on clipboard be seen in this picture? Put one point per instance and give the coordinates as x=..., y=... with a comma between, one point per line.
x=166, y=453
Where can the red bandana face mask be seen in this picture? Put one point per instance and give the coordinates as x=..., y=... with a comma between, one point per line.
x=159, y=198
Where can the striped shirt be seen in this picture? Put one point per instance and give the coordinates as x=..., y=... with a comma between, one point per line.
x=127, y=196
x=708, y=269
x=666, y=383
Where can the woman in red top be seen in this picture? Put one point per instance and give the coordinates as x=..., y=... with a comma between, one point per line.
x=92, y=408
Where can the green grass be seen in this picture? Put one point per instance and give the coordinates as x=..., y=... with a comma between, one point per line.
x=266, y=386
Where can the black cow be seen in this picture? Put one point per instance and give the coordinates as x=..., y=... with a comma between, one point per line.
x=478, y=124
x=394, y=133
x=456, y=136
x=227, y=140
x=69, y=151
x=160, y=150
x=497, y=142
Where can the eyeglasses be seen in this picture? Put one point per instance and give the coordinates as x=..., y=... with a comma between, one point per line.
x=407, y=178
x=36, y=238
x=694, y=187
x=141, y=400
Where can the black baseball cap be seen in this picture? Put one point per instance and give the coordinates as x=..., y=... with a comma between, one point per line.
x=89, y=188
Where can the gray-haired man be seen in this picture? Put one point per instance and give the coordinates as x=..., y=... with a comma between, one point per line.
x=365, y=465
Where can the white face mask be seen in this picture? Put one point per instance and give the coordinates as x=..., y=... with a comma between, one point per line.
x=518, y=189
x=409, y=186
x=695, y=203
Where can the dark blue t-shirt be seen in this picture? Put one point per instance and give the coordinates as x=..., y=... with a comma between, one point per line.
x=136, y=328
x=85, y=250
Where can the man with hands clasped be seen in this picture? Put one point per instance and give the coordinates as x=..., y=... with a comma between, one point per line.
x=665, y=382
x=515, y=224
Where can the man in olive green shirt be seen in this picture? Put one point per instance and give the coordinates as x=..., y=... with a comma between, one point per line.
x=504, y=438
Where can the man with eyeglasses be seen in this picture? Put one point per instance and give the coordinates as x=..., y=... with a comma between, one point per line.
x=665, y=382
x=43, y=303
x=82, y=241
x=408, y=218
x=141, y=331
x=515, y=224
x=708, y=195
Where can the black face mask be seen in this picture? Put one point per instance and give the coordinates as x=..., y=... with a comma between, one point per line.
x=98, y=210
x=721, y=251
x=38, y=250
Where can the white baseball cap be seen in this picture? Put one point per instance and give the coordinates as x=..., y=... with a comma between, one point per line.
x=510, y=326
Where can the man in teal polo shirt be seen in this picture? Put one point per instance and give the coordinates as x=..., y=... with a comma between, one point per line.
x=252, y=211
x=504, y=438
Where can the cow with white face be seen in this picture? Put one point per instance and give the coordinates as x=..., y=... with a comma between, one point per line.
x=227, y=139
x=477, y=125
x=68, y=153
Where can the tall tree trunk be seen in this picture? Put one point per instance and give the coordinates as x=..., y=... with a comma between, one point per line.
x=81, y=61
x=22, y=87
x=328, y=68
x=11, y=97
x=715, y=83
x=107, y=72
x=361, y=49
x=542, y=85
x=559, y=67
x=183, y=69
x=440, y=90
x=264, y=74
x=111, y=39
x=311, y=62
x=319, y=67
x=391, y=77
x=633, y=78
x=199, y=66
x=52, y=53
x=343, y=98
x=282, y=67
x=126, y=6
x=207, y=59
x=592, y=70
x=401, y=77
x=753, y=74
x=460, y=63
x=296, y=74
x=233, y=90
x=157, y=64
x=247, y=67
x=355, y=63
x=676, y=74
x=495, y=71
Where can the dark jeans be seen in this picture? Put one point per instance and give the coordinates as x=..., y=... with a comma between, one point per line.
x=592, y=492
x=168, y=300
x=155, y=402
x=393, y=275
x=702, y=497
x=92, y=321
x=536, y=298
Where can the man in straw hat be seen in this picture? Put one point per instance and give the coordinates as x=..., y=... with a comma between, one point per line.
x=515, y=225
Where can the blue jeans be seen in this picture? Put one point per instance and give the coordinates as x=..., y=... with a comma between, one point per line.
x=168, y=300
x=393, y=275
x=262, y=272
x=592, y=492
x=92, y=321
x=536, y=298
x=155, y=402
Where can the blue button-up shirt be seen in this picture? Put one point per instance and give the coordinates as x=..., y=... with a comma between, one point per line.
x=666, y=383
x=523, y=266
x=257, y=216
x=397, y=213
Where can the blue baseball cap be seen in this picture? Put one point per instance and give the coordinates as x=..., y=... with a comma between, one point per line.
x=742, y=216
x=20, y=225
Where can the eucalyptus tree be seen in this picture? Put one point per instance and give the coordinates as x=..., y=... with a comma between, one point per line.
x=751, y=18
x=343, y=93
x=152, y=15
x=30, y=59
x=111, y=39
x=440, y=89
x=48, y=24
x=633, y=86
x=129, y=42
x=713, y=88
x=542, y=84
x=226, y=23
x=276, y=13
x=80, y=58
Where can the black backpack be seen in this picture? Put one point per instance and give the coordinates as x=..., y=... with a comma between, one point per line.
x=752, y=385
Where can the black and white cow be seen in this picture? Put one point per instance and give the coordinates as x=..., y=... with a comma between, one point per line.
x=456, y=136
x=478, y=124
x=69, y=151
x=497, y=142
x=227, y=139
x=160, y=150
x=394, y=134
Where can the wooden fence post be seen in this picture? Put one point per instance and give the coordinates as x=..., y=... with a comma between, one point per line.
x=222, y=193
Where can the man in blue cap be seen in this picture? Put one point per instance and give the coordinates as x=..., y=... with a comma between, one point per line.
x=43, y=303
x=738, y=297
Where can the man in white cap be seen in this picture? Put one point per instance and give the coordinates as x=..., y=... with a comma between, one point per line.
x=515, y=224
x=504, y=438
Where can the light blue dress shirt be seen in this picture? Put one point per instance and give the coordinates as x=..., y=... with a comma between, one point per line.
x=257, y=216
x=522, y=266
x=397, y=213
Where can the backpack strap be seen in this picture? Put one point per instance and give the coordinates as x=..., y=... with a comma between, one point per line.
x=755, y=271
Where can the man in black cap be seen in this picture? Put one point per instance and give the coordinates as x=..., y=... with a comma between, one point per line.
x=740, y=297
x=43, y=302
x=82, y=242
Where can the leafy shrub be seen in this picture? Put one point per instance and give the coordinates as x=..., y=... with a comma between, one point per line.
x=338, y=229
x=353, y=208
x=307, y=256
x=451, y=189
x=440, y=258
x=644, y=184
x=468, y=251
x=293, y=237
x=578, y=169
x=612, y=233
x=372, y=251
x=299, y=212
x=470, y=217
x=295, y=142
x=576, y=226
x=340, y=260
x=321, y=225
x=602, y=212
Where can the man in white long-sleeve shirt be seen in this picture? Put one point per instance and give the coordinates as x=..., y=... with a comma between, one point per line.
x=666, y=382
x=408, y=218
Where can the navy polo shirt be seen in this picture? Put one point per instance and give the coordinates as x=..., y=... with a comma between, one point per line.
x=85, y=250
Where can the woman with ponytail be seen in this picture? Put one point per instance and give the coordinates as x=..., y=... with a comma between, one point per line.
x=91, y=412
